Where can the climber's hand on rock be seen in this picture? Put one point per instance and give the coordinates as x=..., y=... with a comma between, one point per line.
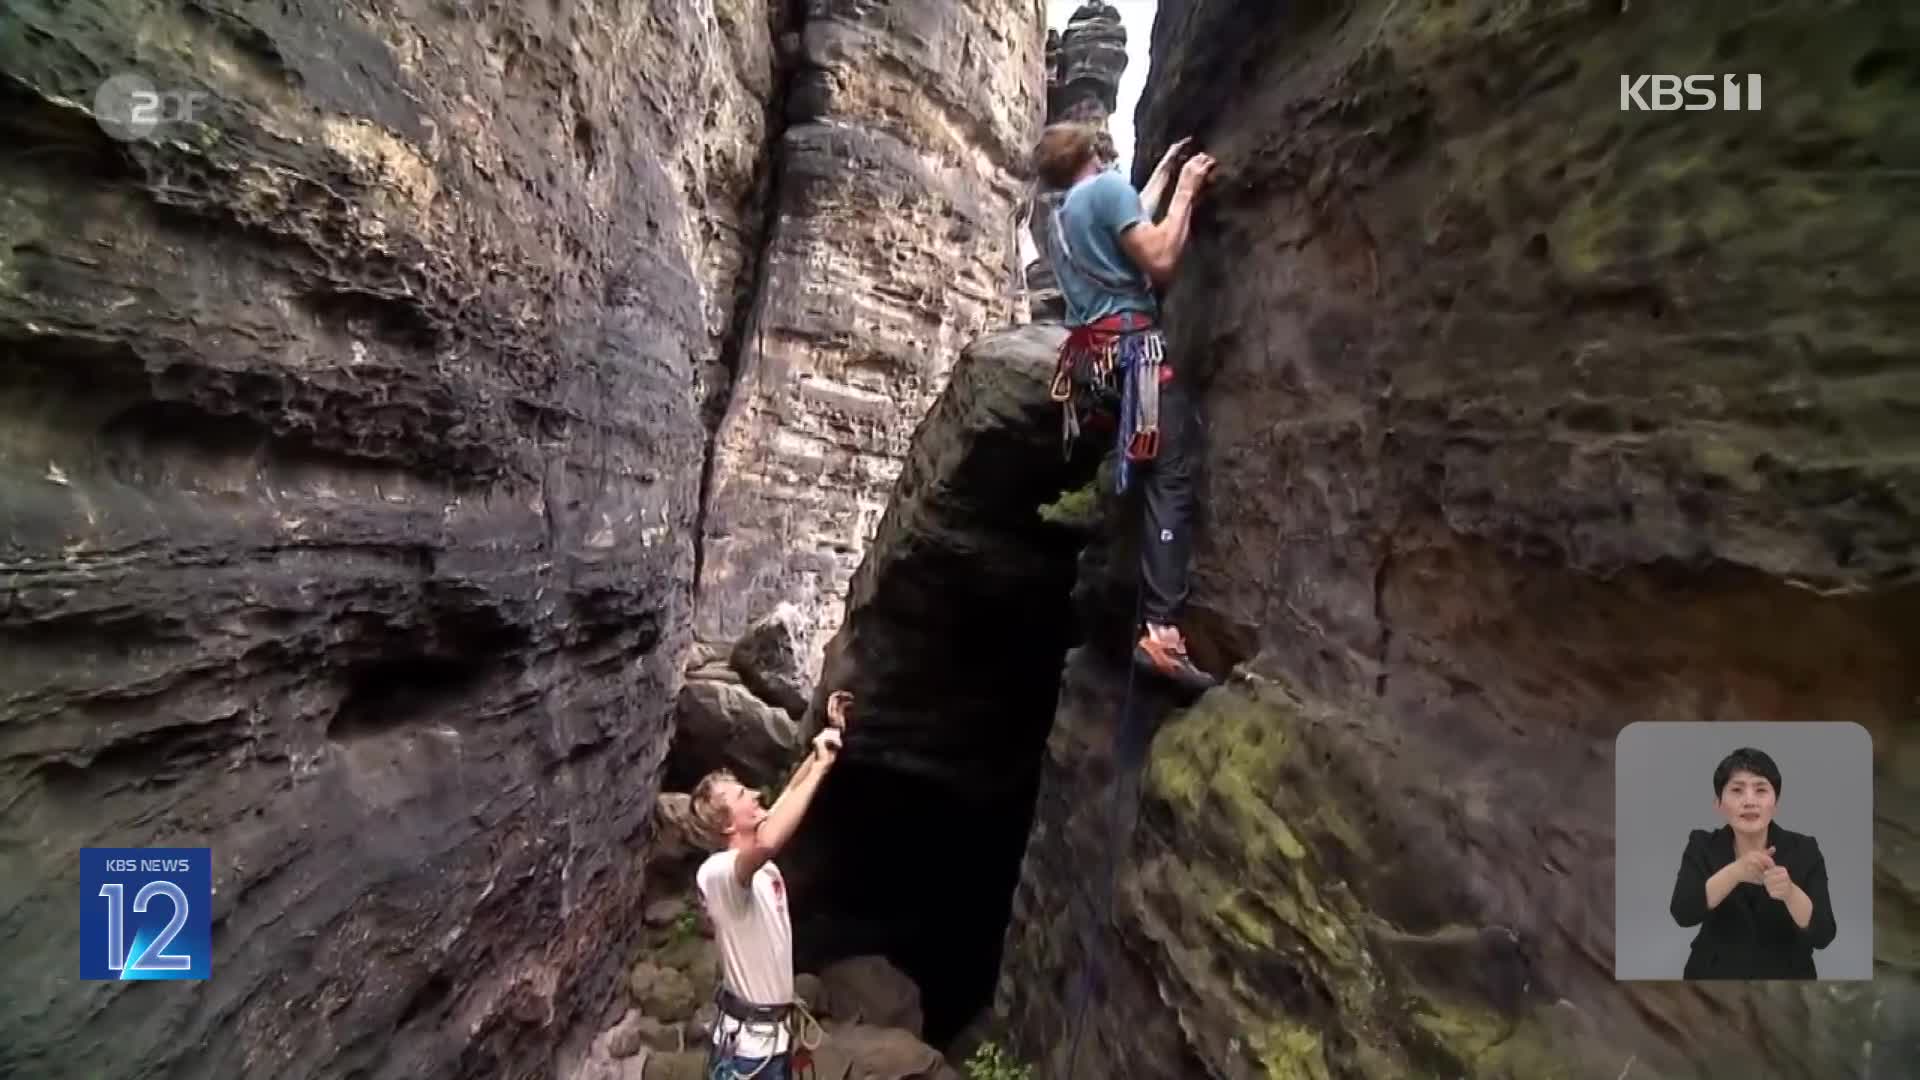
x=1195, y=172
x=826, y=745
x=838, y=703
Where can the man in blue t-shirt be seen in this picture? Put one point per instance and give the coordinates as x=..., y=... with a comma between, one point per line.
x=1108, y=256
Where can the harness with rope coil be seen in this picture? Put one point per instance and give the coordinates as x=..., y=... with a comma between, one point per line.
x=1110, y=370
x=770, y=1022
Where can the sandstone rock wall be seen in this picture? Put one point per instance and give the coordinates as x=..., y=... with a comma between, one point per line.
x=891, y=249
x=959, y=618
x=348, y=488
x=1528, y=418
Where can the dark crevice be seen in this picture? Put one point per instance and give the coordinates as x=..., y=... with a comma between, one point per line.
x=156, y=757
x=404, y=671
x=386, y=694
x=749, y=303
x=960, y=620
x=427, y=1000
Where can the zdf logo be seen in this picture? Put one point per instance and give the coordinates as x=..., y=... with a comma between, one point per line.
x=128, y=106
x=1664, y=93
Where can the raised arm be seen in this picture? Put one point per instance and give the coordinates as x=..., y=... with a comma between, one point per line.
x=1156, y=247
x=784, y=817
x=1162, y=174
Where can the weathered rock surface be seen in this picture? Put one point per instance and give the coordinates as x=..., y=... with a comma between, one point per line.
x=864, y=1052
x=353, y=474
x=1085, y=65
x=868, y=990
x=1528, y=418
x=960, y=618
x=347, y=500
x=723, y=725
x=893, y=247
x=774, y=661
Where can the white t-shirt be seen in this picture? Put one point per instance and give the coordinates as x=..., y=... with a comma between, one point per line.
x=756, y=945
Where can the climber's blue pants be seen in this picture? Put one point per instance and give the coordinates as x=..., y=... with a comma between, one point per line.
x=733, y=1068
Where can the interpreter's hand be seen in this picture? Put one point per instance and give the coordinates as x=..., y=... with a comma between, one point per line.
x=1779, y=885
x=826, y=745
x=1195, y=172
x=1752, y=867
x=838, y=703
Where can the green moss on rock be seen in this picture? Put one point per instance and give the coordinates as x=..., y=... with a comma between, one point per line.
x=1234, y=892
x=1289, y=1051
x=1075, y=509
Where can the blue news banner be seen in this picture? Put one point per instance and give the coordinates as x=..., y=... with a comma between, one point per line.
x=146, y=913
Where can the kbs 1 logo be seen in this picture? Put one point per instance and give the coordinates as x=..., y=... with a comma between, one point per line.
x=146, y=913
x=1694, y=93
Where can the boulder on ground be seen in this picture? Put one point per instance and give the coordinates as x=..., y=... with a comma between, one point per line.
x=866, y=1052
x=637, y=1033
x=661, y=992
x=868, y=990
x=722, y=725
x=771, y=658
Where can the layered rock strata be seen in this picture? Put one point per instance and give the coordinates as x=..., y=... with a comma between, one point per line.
x=1527, y=418
x=1085, y=63
x=891, y=247
x=352, y=482
x=960, y=616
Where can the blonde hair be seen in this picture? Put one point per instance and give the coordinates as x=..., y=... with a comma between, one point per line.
x=1063, y=150
x=711, y=818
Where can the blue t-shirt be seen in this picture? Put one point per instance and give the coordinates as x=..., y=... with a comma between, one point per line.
x=1093, y=215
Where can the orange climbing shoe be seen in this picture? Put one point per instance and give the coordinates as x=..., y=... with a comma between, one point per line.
x=1161, y=652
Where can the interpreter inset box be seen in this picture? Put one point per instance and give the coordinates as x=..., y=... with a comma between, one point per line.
x=1743, y=851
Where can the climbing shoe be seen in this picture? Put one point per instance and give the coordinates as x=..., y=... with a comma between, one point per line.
x=1166, y=656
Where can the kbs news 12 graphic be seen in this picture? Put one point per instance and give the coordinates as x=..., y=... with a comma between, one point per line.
x=146, y=913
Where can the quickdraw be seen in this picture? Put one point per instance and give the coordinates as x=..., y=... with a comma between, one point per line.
x=1128, y=346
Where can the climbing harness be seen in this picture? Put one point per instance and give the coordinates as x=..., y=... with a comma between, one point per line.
x=1129, y=752
x=770, y=1021
x=1110, y=371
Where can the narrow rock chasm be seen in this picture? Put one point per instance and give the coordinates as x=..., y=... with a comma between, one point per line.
x=959, y=623
x=473, y=407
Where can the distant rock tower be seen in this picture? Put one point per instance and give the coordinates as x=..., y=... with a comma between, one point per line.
x=1083, y=83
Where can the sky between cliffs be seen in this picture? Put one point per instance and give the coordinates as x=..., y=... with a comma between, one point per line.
x=1137, y=17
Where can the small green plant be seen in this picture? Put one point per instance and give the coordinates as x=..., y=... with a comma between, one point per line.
x=685, y=927
x=1075, y=509
x=989, y=1062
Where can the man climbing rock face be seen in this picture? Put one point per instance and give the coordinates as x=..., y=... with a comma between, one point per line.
x=746, y=899
x=1108, y=256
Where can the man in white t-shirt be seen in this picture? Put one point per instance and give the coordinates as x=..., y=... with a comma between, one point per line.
x=746, y=900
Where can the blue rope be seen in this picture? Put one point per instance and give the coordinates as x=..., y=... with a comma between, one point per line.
x=1122, y=771
x=1125, y=356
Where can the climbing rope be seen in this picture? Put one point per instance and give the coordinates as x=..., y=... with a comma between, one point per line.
x=1123, y=741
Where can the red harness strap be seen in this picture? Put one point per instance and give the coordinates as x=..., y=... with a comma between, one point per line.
x=1095, y=339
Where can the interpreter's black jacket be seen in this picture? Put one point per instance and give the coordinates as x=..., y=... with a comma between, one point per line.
x=1751, y=935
